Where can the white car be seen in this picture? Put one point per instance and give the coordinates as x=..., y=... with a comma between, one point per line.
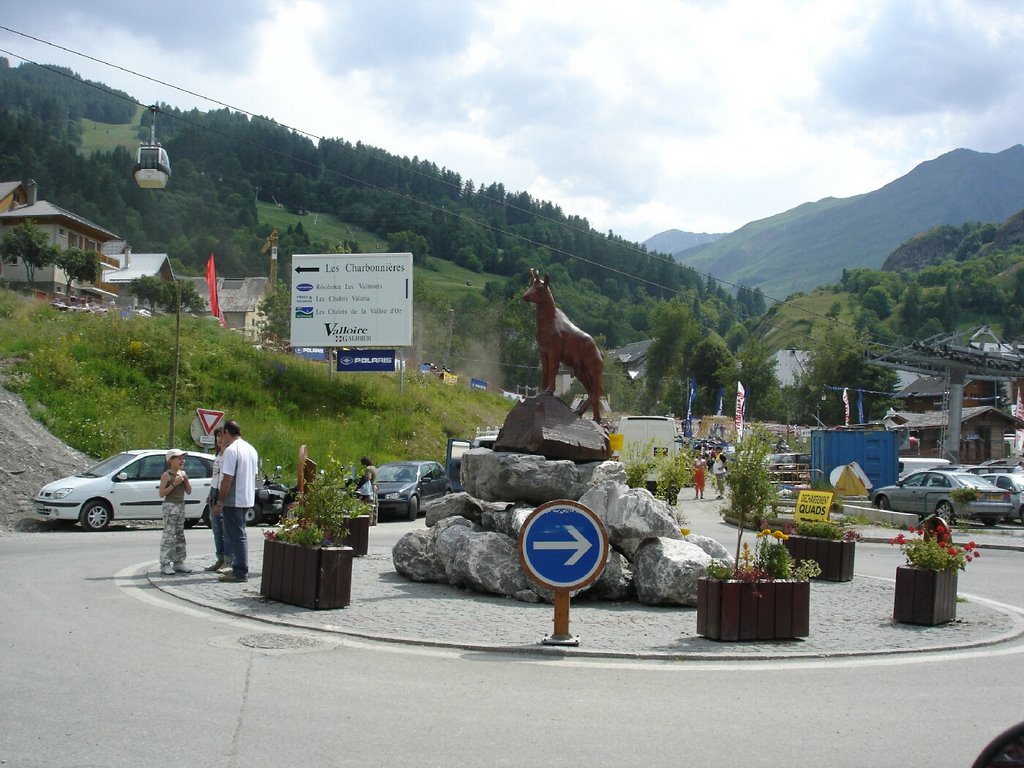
x=1014, y=483
x=123, y=487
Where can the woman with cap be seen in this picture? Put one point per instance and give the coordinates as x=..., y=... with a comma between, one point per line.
x=174, y=484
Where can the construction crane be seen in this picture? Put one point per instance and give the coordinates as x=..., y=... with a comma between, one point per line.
x=271, y=245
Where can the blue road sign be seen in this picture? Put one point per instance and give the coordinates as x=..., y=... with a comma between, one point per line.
x=563, y=545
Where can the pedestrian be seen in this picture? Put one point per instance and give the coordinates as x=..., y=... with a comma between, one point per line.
x=237, y=496
x=216, y=515
x=719, y=470
x=698, y=476
x=365, y=486
x=174, y=484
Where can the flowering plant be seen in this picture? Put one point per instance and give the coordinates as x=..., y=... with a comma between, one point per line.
x=321, y=514
x=935, y=551
x=767, y=561
x=824, y=529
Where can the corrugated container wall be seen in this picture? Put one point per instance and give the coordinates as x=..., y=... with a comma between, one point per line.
x=876, y=451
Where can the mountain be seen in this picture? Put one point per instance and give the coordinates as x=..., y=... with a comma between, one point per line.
x=811, y=244
x=676, y=241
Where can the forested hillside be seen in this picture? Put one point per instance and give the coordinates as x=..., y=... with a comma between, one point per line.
x=224, y=162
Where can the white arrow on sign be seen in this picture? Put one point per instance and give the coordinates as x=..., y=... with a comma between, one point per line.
x=581, y=545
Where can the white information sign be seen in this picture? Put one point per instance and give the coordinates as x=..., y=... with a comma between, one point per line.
x=352, y=300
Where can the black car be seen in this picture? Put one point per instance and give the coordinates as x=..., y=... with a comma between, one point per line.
x=403, y=486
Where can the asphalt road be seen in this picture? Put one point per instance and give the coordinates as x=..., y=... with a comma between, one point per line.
x=98, y=668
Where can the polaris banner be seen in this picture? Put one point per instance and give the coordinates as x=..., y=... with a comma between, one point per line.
x=366, y=360
x=477, y=384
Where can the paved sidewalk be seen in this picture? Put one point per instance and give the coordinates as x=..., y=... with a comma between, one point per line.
x=847, y=619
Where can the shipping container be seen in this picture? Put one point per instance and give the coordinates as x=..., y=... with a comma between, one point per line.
x=876, y=451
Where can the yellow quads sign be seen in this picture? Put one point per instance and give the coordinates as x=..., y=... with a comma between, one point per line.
x=813, y=506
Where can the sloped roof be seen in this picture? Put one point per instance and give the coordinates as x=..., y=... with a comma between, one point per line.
x=236, y=294
x=43, y=210
x=8, y=187
x=140, y=265
x=941, y=418
x=924, y=386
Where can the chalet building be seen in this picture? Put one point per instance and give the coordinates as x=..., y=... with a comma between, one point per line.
x=982, y=430
x=19, y=203
x=926, y=393
x=133, y=266
x=239, y=299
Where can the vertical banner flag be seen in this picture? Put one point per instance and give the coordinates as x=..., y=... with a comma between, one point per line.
x=740, y=397
x=211, y=283
x=860, y=405
x=846, y=406
x=1018, y=411
x=688, y=426
x=721, y=394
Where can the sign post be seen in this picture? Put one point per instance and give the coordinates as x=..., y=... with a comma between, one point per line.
x=203, y=425
x=563, y=546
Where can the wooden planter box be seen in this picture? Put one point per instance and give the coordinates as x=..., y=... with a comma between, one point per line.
x=358, y=535
x=834, y=556
x=764, y=610
x=312, y=577
x=924, y=596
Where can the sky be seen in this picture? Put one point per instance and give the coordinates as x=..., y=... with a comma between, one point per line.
x=696, y=115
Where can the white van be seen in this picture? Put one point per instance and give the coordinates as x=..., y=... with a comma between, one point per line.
x=656, y=434
x=908, y=464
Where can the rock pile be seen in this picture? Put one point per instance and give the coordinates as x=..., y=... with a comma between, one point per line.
x=470, y=538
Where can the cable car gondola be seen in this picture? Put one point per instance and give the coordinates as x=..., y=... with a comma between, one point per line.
x=152, y=166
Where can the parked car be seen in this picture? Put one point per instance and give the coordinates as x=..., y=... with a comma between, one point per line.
x=403, y=486
x=992, y=468
x=1014, y=483
x=927, y=492
x=123, y=487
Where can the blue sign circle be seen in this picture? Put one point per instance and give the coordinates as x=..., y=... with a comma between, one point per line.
x=563, y=545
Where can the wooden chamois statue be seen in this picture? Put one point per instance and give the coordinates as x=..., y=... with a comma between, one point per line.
x=562, y=342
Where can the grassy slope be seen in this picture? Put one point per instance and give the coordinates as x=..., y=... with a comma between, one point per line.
x=103, y=137
x=103, y=385
x=792, y=323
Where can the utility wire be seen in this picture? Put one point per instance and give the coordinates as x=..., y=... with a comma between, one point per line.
x=741, y=316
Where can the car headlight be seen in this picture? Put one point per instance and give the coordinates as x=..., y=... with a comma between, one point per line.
x=392, y=496
x=60, y=493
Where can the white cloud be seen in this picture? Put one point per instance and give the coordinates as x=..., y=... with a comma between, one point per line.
x=639, y=117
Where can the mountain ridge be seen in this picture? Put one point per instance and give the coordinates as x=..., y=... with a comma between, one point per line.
x=862, y=231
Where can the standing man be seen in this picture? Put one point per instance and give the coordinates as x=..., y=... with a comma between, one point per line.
x=237, y=494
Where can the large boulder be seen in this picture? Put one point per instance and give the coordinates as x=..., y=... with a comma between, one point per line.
x=495, y=476
x=484, y=561
x=459, y=505
x=714, y=549
x=415, y=557
x=631, y=515
x=665, y=571
x=546, y=426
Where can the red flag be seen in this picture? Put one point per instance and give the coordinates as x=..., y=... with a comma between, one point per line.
x=211, y=283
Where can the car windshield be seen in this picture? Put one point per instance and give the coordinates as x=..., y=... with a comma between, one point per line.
x=972, y=480
x=396, y=473
x=107, y=466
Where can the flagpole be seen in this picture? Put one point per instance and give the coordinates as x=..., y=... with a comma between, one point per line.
x=177, y=358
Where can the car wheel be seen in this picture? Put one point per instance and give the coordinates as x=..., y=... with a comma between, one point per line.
x=414, y=508
x=190, y=522
x=206, y=517
x=253, y=516
x=945, y=510
x=96, y=515
x=882, y=502
x=990, y=522
x=1022, y=514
